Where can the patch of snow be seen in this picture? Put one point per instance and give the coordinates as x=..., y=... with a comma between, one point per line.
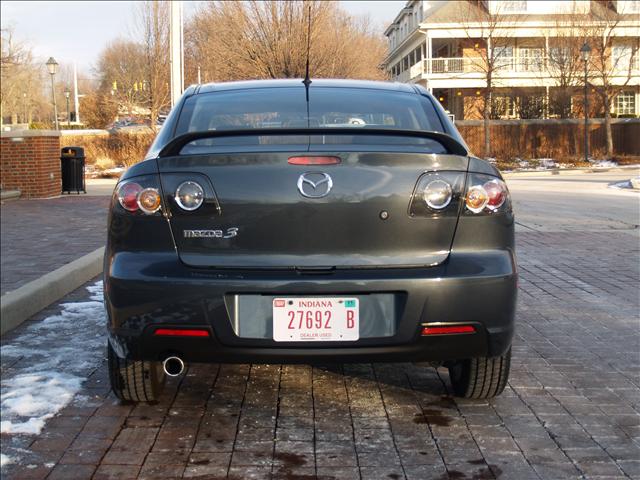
x=604, y=164
x=633, y=183
x=547, y=163
x=625, y=184
x=5, y=460
x=62, y=350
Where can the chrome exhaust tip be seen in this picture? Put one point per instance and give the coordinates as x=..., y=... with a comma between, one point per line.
x=173, y=366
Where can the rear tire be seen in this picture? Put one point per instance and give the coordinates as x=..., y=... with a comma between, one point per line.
x=483, y=377
x=135, y=381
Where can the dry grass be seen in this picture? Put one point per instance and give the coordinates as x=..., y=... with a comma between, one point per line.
x=106, y=151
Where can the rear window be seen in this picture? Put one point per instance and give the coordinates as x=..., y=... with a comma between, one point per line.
x=329, y=107
x=287, y=108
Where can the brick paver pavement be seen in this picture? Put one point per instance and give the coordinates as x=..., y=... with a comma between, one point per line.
x=38, y=236
x=571, y=409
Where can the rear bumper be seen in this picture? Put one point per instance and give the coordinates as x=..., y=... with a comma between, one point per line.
x=144, y=291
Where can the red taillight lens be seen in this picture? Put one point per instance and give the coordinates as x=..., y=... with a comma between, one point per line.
x=128, y=196
x=314, y=160
x=497, y=192
x=485, y=194
x=447, y=330
x=181, y=332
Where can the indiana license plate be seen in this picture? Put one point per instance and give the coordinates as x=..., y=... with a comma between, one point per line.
x=316, y=319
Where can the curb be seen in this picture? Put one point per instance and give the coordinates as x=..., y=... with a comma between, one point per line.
x=29, y=299
x=9, y=194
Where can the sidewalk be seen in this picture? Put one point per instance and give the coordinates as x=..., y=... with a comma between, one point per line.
x=39, y=236
x=49, y=248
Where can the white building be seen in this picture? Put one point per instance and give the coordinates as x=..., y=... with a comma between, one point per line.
x=447, y=47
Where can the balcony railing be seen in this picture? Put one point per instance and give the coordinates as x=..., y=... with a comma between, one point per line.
x=502, y=65
x=477, y=65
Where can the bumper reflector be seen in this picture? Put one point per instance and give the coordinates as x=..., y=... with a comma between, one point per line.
x=447, y=330
x=171, y=332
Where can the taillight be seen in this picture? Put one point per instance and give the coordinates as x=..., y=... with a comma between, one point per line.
x=477, y=198
x=140, y=195
x=189, y=196
x=314, y=160
x=485, y=193
x=149, y=200
x=437, y=194
x=128, y=196
x=497, y=191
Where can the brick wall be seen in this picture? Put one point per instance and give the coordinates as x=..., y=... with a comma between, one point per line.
x=30, y=162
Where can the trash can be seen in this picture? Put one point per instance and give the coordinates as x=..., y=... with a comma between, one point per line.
x=72, y=162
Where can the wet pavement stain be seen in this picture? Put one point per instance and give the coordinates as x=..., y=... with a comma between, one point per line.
x=452, y=475
x=489, y=472
x=419, y=419
x=291, y=459
x=435, y=417
x=445, y=401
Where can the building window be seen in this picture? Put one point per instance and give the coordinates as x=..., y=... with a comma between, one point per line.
x=629, y=6
x=531, y=59
x=503, y=57
x=625, y=103
x=512, y=6
x=621, y=56
x=503, y=106
x=560, y=56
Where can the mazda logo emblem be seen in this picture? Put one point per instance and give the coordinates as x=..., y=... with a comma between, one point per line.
x=314, y=184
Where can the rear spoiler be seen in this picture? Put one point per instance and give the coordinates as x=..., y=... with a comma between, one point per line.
x=452, y=145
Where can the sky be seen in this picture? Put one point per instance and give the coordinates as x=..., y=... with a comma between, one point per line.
x=78, y=30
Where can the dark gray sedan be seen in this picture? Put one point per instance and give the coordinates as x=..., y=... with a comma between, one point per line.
x=278, y=222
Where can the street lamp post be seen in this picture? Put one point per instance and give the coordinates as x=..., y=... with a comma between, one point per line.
x=52, y=67
x=67, y=92
x=585, y=51
x=24, y=108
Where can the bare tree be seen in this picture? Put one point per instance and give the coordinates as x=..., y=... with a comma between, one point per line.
x=564, y=64
x=612, y=59
x=267, y=39
x=153, y=26
x=98, y=109
x=21, y=81
x=121, y=67
x=488, y=32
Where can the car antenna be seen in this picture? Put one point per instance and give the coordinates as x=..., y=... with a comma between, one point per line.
x=307, y=80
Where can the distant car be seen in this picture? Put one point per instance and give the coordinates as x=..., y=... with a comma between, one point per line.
x=305, y=242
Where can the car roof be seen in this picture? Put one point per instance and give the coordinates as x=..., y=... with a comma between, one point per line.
x=297, y=82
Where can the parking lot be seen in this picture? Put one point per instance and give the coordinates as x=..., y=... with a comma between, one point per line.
x=571, y=409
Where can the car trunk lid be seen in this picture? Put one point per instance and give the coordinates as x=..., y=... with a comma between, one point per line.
x=270, y=214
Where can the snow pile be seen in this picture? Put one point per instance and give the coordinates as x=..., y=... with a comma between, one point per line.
x=604, y=164
x=5, y=460
x=61, y=352
x=631, y=183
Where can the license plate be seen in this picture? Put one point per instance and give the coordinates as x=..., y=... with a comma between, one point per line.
x=316, y=319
